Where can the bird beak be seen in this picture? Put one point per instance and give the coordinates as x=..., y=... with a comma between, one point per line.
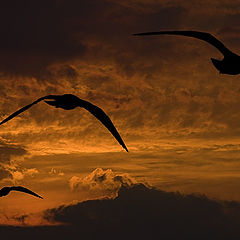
x=53, y=100
x=52, y=103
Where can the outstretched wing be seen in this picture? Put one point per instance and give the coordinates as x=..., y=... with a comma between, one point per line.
x=25, y=108
x=207, y=37
x=103, y=118
x=23, y=189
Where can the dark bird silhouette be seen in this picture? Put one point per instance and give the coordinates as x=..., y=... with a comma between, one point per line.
x=6, y=190
x=230, y=64
x=68, y=102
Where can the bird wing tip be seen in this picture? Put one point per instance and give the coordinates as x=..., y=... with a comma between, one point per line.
x=126, y=148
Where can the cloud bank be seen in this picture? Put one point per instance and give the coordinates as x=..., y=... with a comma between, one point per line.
x=139, y=212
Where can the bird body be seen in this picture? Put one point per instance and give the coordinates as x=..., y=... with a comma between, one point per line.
x=230, y=64
x=6, y=190
x=69, y=102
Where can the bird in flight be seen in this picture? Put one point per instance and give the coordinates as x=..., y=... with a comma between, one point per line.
x=230, y=64
x=6, y=190
x=68, y=102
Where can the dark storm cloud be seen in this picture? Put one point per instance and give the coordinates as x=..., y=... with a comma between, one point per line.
x=139, y=213
x=143, y=212
x=37, y=34
x=34, y=34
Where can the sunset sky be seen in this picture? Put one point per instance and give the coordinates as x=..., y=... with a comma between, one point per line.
x=177, y=115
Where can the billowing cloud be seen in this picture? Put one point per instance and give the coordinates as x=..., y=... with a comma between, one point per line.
x=19, y=174
x=101, y=183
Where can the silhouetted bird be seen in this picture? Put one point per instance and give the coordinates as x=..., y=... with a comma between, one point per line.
x=230, y=64
x=68, y=102
x=6, y=190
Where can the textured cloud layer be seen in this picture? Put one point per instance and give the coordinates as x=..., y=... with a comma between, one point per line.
x=155, y=84
x=178, y=116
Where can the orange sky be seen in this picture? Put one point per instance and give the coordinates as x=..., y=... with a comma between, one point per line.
x=177, y=115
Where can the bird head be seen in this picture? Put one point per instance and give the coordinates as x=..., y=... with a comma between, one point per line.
x=66, y=101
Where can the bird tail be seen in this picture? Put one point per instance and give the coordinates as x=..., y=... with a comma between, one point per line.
x=217, y=64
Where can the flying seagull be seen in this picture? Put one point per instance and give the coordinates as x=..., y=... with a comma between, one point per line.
x=68, y=102
x=6, y=190
x=230, y=64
